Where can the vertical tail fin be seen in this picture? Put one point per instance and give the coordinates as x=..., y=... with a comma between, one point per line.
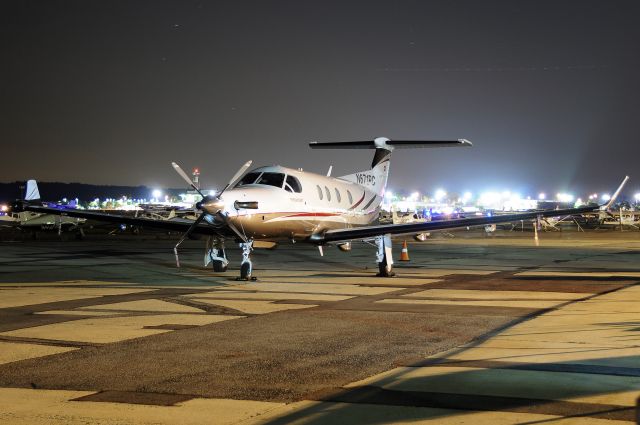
x=32, y=193
x=375, y=179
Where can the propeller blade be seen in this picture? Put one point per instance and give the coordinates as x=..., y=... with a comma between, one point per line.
x=185, y=177
x=231, y=226
x=236, y=176
x=240, y=172
x=186, y=235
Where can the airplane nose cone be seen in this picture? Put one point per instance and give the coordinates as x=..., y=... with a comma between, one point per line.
x=210, y=206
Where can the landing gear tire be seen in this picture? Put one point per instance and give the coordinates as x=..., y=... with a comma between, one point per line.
x=383, y=272
x=219, y=266
x=245, y=272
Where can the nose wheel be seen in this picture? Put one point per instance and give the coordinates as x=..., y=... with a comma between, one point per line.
x=246, y=267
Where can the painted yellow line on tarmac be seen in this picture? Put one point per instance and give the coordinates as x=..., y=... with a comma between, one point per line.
x=20, y=406
x=19, y=297
x=275, y=296
x=81, y=313
x=255, y=307
x=113, y=329
x=14, y=351
x=315, y=288
x=151, y=305
x=487, y=303
x=490, y=294
x=561, y=273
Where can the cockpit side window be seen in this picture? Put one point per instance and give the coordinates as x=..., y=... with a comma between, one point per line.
x=292, y=185
x=271, y=179
x=249, y=178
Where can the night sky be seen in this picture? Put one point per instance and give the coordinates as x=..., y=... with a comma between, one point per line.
x=110, y=92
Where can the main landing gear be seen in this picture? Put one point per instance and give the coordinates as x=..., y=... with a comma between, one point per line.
x=246, y=267
x=384, y=256
x=216, y=255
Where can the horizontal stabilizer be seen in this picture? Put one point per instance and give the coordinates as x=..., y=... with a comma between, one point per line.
x=382, y=142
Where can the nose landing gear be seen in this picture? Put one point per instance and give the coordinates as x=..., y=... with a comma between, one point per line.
x=246, y=267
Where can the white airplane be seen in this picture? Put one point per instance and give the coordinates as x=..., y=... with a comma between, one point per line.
x=275, y=204
x=30, y=220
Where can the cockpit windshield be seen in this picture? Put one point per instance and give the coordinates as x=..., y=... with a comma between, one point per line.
x=249, y=178
x=269, y=179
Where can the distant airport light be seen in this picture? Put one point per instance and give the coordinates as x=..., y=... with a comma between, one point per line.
x=447, y=210
x=542, y=196
x=414, y=196
x=440, y=194
x=606, y=197
x=637, y=196
x=4, y=208
x=388, y=194
x=565, y=197
x=156, y=193
x=467, y=196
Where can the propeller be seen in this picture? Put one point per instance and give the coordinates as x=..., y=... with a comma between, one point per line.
x=208, y=201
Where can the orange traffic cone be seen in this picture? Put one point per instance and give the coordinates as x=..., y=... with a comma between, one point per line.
x=404, y=255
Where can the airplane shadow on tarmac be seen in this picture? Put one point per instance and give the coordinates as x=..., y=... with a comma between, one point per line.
x=450, y=387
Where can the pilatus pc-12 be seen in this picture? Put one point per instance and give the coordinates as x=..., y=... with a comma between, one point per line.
x=279, y=204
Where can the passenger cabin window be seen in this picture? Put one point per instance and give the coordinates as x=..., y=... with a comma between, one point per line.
x=271, y=179
x=328, y=192
x=350, y=197
x=319, y=192
x=292, y=184
x=249, y=178
x=338, y=197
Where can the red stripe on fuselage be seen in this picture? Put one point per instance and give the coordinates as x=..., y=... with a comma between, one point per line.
x=312, y=214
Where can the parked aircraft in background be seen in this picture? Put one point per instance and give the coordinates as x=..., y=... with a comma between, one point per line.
x=275, y=204
x=27, y=220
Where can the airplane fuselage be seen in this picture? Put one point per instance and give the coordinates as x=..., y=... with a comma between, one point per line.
x=294, y=204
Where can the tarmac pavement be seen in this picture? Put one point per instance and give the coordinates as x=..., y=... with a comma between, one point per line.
x=474, y=329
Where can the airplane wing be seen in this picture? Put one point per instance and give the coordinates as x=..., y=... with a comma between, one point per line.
x=415, y=228
x=176, y=224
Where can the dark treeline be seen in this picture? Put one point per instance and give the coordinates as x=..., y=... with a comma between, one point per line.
x=55, y=191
